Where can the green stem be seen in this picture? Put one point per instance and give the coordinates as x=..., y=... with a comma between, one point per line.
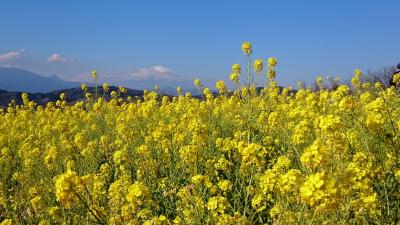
x=96, y=83
x=248, y=71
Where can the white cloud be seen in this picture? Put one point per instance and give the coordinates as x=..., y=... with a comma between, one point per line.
x=11, y=55
x=57, y=58
x=153, y=72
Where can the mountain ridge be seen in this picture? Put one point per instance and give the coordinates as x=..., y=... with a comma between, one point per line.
x=22, y=80
x=73, y=95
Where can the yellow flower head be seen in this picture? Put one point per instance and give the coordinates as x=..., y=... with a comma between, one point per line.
x=378, y=85
x=258, y=65
x=246, y=48
x=236, y=68
x=319, y=80
x=25, y=98
x=220, y=85
x=225, y=185
x=179, y=90
x=197, y=82
x=357, y=73
x=121, y=89
x=66, y=186
x=272, y=62
x=311, y=191
x=114, y=94
x=234, y=77
x=137, y=190
x=396, y=78
x=271, y=74
x=94, y=74
x=106, y=87
x=63, y=96
x=356, y=79
x=84, y=87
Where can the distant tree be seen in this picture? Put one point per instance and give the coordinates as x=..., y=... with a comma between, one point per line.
x=334, y=82
x=383, y=75
x=327, y=83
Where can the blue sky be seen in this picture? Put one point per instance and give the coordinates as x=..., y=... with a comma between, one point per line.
x=139, y=43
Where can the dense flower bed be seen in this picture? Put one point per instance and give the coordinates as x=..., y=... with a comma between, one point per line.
x=243, y=157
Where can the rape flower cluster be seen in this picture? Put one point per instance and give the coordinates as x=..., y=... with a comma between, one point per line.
x=269, y=156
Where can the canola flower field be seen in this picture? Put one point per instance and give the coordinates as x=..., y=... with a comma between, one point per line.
x=244, y=157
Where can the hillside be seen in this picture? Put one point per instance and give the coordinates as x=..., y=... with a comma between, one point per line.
x=73, y=95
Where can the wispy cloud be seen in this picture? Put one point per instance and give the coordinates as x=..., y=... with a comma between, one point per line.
x=9, y=56
x=57, y=58
x=153, y=72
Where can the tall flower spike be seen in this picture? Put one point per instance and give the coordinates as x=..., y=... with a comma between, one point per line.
x=246, y=48
x=272, y=62
x=258, y=65
x=94, y=74
x=236, y=68
x=197, y=82
x=106, y=87
x=271, y=74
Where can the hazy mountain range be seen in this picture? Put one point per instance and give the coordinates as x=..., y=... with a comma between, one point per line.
x=20, y=80
x=15, y=79
x=43, y=89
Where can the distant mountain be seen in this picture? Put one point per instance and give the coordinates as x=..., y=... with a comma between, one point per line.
x=20, y=80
